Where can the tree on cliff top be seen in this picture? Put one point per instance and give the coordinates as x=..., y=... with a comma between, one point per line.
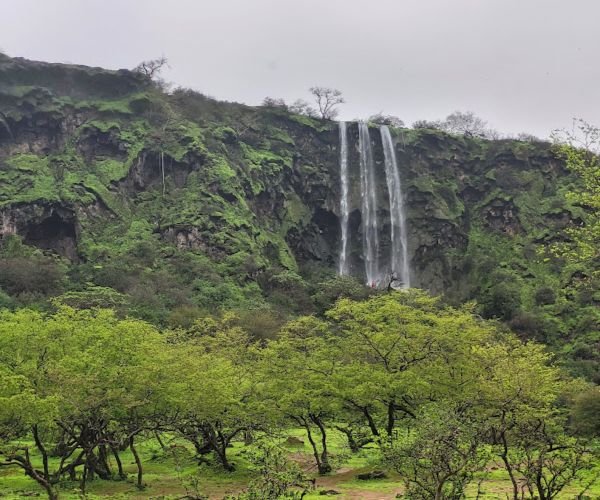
x=466, y=123
x=151, y=70
x=327, y=99
x=152, y=67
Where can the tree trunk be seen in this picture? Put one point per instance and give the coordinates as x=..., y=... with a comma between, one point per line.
x=42, y=450
x=52, y=494
x=221, y=454
x=371, y=422
x=42, y=479
x=508, y=466
x=391, y=420
x=439, y=494
x=120, y=471
x=221, y=443
x=105, y=473
x=352, y=444
x=201, y=448
x=306, y=426
x=160, y=441
x=325, y=467
x=84, y=475
x=138, y=462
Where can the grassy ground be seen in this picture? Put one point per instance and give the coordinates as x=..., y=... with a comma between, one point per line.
x=174, y=474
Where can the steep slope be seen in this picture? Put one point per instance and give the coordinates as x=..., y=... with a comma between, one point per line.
x=178, y=201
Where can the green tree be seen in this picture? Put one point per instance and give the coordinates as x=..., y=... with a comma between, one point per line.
x=443, y=452
x=296, y=375
x=215, y=397
x=400, y=350
x=523, y=399
x=277, y=476
x=585, y=413
x=579, y=148
x=92, y=374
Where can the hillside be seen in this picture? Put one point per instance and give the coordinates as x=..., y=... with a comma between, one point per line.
x=167, y=206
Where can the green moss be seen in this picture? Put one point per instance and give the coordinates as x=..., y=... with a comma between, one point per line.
x=124, y=106
x=29, y=163
x=280, y=135
x=264, y=159
x=295, y=213
x=445, y=202
x=179, y=139
x=307, y=121
x=110, y=170
x=28, y=178
x=225, y=134
x=220, y=172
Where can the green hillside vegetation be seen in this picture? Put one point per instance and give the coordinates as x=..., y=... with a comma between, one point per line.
x=171, y=321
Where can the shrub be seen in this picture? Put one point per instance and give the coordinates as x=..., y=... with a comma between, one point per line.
x=501, y=301
x=35, y=275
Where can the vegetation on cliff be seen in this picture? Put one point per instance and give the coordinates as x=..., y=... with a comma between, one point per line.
x=168, y=292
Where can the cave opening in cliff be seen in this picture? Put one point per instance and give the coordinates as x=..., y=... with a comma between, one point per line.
x=53, y=233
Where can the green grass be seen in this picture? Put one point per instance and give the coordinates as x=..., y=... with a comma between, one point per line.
x=172, y=474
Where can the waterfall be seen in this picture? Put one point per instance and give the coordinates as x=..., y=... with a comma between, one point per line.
x=369, y=206
x=344, y=206
x=399, y=252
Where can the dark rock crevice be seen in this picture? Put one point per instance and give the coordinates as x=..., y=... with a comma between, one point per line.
x=46, y=226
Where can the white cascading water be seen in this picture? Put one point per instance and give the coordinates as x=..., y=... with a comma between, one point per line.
x=400, y=271
x=369, y=207
x=343, y=268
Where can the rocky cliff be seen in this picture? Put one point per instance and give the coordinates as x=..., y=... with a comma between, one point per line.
x=176, y=199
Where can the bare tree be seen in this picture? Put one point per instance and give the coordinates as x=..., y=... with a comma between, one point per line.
x=301, y=107
x=582, y=136
x=327, y=99
x=151, y=68
x=465, y=123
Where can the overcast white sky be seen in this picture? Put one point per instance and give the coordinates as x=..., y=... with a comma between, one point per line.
x=523, y=65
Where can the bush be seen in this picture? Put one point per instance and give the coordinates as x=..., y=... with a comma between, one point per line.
x=38, y=275
x=272, y=102
x=501, y=301
x=427, y=124
x=277, y=477
x=289, y=291
x=94, y=297
x=585, y=413
x=544, y=296
x=184, y=316
x=529, y=326
x=260, y=324
x=331, y=290
x=6, y=302
x=389, y=120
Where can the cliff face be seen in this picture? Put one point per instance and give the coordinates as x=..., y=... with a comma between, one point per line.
x=100, y=167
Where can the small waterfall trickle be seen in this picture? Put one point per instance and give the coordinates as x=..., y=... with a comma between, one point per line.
x=343, y=268
x=400, y=270
x=368, y=207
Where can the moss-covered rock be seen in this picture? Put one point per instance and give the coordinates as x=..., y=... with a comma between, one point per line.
x=133, y=186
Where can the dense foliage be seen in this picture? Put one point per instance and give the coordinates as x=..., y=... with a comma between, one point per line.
x=167, y=275
x=434, y=388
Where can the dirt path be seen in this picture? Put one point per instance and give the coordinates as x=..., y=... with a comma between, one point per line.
x=346, y=475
